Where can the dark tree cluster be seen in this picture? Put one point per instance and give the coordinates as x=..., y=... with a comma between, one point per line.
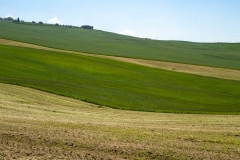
x=9, y=19
x=40, y=22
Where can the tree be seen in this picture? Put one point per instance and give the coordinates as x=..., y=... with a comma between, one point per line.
x=9, y=19
x=40, y=22
x=0, y=18
x=33, y=22
x=18, y=20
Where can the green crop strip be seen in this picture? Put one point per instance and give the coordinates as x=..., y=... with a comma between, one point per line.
x=117, y=84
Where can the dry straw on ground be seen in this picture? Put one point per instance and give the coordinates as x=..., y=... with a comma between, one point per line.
x=40, y=125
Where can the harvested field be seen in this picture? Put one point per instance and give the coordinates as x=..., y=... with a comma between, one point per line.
x=178, y=67
x=40, y=125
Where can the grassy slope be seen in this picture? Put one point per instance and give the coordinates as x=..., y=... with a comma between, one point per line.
x=92, y=41
x=177, y=67
x=117, y=84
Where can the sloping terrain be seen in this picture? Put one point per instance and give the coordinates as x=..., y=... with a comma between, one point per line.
x=117, y=84
x=40, y=125
x=178, y=67
x=223, y=55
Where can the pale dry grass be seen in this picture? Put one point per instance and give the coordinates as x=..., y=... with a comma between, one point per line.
x=40, y=125
x=177, y=67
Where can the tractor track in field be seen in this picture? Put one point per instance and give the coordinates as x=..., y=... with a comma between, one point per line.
x=177, y=67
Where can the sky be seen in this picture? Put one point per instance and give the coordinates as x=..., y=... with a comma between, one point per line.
x=186, y=20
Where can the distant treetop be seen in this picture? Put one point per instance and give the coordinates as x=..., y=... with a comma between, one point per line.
x=9, y=19
x=40, y=22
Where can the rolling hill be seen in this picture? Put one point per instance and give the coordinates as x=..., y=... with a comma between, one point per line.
x=223, y=55
x=117, y=84
x=70, y=93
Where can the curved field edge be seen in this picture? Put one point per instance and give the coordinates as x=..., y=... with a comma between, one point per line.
x=223, y=55
x=40, y=125
x=117, y=84
x=177, y=67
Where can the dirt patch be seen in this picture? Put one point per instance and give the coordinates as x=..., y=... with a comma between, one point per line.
x=177, y=67
x=40, y=125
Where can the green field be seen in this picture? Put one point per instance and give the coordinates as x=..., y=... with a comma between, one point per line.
x=223, y=55
x=117, y=84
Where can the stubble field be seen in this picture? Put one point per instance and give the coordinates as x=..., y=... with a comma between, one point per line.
x=40, y=125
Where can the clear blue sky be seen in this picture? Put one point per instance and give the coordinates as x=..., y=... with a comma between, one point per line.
x=189, y=20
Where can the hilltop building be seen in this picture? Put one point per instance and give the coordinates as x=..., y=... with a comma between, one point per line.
x=87, y=27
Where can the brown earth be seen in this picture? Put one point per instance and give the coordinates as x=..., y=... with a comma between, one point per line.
x=40, y=125
x=177, y=67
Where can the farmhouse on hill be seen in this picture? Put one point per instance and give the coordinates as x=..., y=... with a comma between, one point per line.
x=87, y=27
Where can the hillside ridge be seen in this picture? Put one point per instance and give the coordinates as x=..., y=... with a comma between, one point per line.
x=221, y=55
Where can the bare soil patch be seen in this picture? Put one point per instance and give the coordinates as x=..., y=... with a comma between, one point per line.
x=177, y=67
x=40, y=125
